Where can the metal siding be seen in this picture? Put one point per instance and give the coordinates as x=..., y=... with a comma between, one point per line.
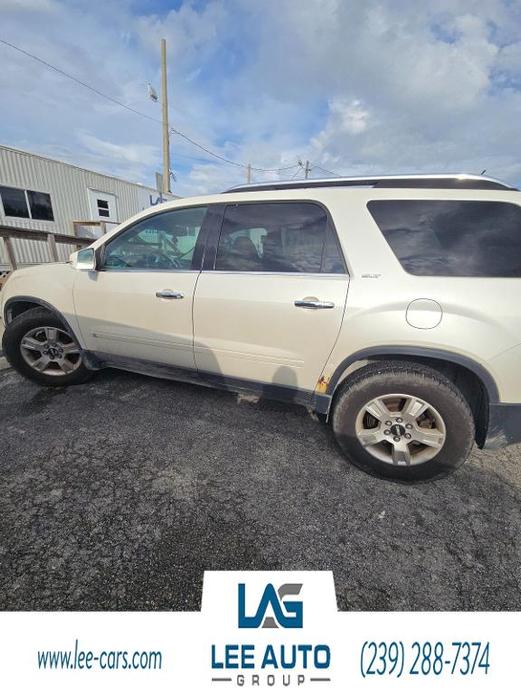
x=68, y=187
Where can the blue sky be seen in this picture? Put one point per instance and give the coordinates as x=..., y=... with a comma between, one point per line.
x=356, y=87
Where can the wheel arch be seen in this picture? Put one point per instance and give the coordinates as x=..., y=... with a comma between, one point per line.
x=17, y=305
x=475, y=382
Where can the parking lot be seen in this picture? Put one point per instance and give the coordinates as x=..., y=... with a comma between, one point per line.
x=119, y=493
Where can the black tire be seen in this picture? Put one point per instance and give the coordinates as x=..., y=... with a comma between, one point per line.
x=13, y=335
x=381, y=378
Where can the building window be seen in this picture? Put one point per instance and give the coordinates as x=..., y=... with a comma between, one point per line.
x=14, y=202
x=28, y=204
x=40, y=205
x=103, y=208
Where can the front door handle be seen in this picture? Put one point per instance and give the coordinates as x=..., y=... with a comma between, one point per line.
x=169, y=294
x=311, y=302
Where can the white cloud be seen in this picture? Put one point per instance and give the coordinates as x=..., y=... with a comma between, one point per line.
x=128, y=152
x=509, y=61
x=29, y=6
x=378, y=86
x=351, y=115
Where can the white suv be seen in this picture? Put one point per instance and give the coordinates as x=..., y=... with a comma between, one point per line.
x=388, y=305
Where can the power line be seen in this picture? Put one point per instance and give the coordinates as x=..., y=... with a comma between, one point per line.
x=320, y=168
x=228, y=161
x=296, y=172
x=75, y=79
x=139, y=113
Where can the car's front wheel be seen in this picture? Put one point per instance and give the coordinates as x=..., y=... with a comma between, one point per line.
x=39, y=346
x=403, y=421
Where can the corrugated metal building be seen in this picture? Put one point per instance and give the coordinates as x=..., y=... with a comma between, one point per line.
x=49, y=195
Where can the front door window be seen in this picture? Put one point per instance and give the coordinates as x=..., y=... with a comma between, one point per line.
x=165, y=241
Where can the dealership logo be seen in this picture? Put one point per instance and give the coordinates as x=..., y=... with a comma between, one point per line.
x=286, y=613
x=277, y=658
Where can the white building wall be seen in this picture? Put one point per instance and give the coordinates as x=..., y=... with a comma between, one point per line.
x=68, y=187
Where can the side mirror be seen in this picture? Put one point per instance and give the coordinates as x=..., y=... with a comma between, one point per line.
x=84, y=259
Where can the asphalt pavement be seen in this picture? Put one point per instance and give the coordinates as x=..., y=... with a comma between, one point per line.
x=119, y=493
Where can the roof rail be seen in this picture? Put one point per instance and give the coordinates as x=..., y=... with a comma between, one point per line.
x=434, y=181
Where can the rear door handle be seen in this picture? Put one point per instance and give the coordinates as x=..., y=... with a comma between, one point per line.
x=313, y=303
x=169, y=294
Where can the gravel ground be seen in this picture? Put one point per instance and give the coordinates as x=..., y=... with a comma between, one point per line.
x=119, y=493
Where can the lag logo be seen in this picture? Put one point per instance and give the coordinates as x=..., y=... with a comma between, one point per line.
x=286, y=613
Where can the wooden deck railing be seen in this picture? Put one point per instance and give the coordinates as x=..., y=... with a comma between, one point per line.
x=52, y=239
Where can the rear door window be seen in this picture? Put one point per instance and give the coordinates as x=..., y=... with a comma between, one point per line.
x=278, y=237
x=452, y=238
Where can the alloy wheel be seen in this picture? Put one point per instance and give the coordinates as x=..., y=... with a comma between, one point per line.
x=400, y=429
x=51, y=351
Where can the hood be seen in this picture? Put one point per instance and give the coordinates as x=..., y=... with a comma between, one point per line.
x=36, y=270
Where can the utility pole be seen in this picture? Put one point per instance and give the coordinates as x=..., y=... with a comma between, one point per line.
x=307, y=169
x=166, y=132
x=248, y=174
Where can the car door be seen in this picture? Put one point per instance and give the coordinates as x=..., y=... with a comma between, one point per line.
x=270, y=299
x=138, y=305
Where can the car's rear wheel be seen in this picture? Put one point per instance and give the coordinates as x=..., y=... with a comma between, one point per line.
x=39, y=346
x=403, y=421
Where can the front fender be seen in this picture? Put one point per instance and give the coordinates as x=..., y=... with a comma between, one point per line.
x=49, y=286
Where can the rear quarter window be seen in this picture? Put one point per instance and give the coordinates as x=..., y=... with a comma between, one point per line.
x=452, y=238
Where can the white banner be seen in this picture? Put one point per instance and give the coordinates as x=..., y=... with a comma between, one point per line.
x=259, y=631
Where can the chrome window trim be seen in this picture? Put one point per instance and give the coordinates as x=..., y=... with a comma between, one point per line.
x=327, y=275
x=144, y=269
